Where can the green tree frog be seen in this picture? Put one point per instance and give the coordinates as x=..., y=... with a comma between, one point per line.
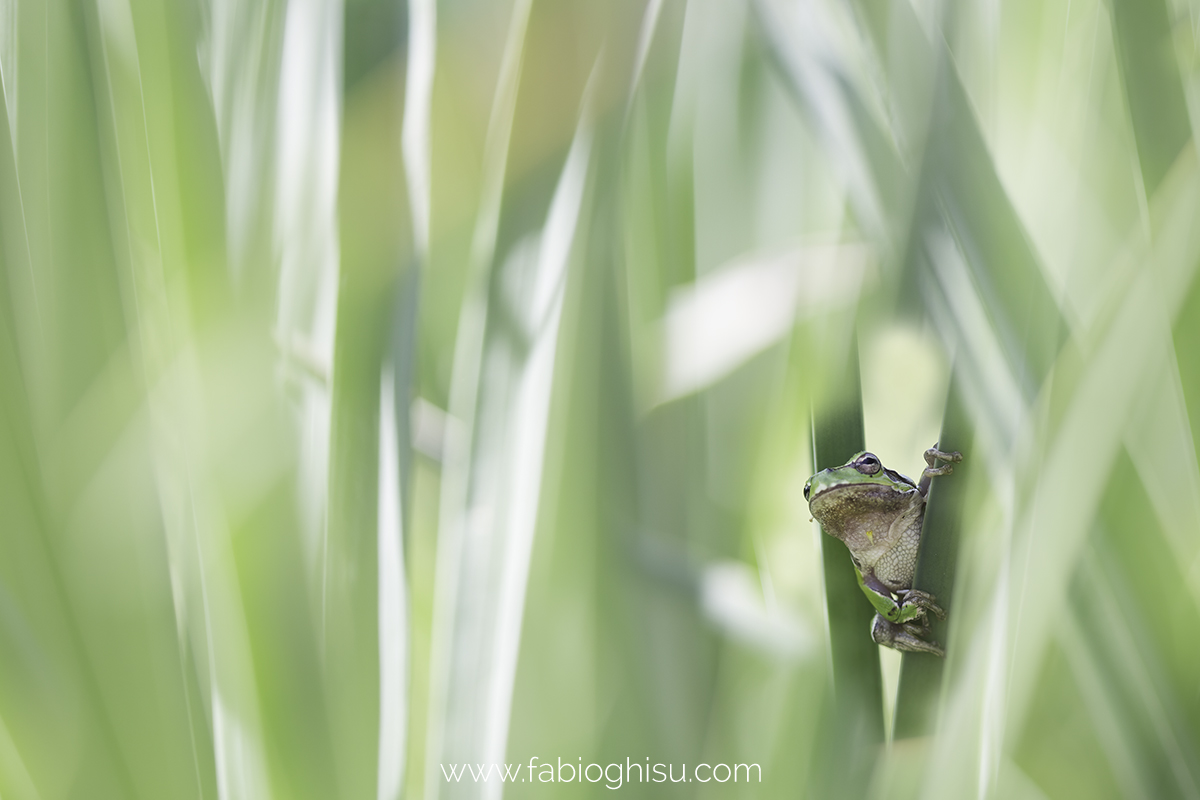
x=878, y=513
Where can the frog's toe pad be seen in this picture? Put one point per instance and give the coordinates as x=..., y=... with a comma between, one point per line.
x=900, y=637
x=934, y=454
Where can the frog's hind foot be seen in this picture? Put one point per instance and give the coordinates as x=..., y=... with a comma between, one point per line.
x=903, y=637
x=922, y=600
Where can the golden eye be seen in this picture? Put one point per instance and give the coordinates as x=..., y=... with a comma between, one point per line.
x=868, y=464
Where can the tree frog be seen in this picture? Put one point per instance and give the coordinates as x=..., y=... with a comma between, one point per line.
x=878, y=513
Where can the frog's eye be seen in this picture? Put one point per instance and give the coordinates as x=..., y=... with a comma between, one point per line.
x=868, y=464
x=807, y=484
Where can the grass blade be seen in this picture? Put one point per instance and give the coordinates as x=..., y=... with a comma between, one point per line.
x=856, y=715
x=1153, y=90
x=918, y=694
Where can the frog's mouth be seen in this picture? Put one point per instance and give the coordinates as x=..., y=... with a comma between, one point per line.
x=867, y=492
x=837, y=487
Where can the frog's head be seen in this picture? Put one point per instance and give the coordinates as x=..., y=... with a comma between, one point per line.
x=863, y=482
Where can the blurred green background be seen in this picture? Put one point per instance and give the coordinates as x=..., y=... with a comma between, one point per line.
x=386, y=386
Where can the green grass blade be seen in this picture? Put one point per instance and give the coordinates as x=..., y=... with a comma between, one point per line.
x=415, y=138
x=856, y=714
x=393, y=592
x=365, y=619
x=491, y=509
x=1126, y=681
x=1142, y=30
x=919, y=692
x=445, y=741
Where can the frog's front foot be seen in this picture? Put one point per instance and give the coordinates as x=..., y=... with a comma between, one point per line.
x=933, y=455
x=906, y=637
x=915, y=598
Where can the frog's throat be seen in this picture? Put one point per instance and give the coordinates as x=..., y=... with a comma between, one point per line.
x=835, y=500
x=866, y=520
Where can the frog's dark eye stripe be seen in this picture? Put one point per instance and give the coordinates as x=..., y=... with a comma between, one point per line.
x=868, y=464
x=898, y=478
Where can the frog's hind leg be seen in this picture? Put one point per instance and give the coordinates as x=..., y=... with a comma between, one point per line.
x=922, y=600
x=902, y=637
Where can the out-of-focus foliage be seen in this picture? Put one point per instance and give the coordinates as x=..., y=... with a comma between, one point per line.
x=386, y=386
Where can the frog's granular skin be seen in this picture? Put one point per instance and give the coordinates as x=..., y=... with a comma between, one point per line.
x=896, y=566
x=880, y=526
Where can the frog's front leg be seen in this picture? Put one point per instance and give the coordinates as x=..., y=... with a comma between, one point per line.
x=932, y=456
